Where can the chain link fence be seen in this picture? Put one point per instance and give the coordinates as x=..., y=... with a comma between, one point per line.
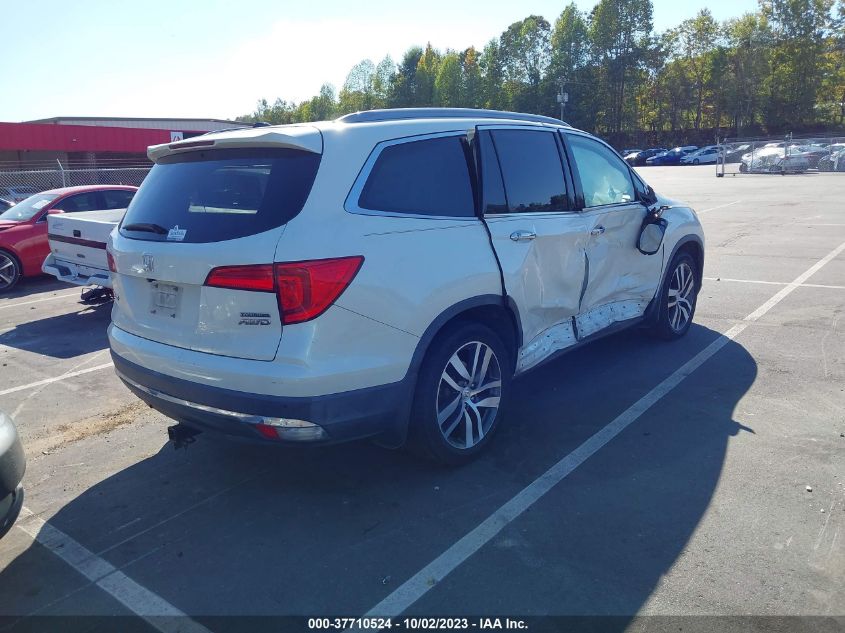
x=781, y=155
x=18, y=184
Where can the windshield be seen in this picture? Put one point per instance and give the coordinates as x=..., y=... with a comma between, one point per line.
x=29, y=208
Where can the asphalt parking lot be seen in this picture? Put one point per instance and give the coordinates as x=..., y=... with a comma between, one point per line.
x=633, y=477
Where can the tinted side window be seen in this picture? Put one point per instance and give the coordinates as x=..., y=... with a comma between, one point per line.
x=531, y=170
x=81, y=202
x=117, y=198
x=604, y=177
x=427, y=177
x=493, y=196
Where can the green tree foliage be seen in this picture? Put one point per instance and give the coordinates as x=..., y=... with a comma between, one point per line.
x=426, y=76
x=447, y=84
x=358, y=91
x=471, y=81
x=403, y=84
x=780, y=68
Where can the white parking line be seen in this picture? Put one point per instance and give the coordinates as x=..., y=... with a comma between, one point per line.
x=772, y=283
x=23, y=303
x=47, y=381
x=153, y=608
x=721, y=206
x=421, y=583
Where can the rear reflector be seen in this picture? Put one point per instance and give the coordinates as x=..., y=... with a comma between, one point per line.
x=304, y=289
x=110, y=258
x=266, y=431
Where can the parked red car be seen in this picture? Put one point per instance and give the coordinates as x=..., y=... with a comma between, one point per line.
x=23, y=227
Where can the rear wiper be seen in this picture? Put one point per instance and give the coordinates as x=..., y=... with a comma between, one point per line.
x=147, y=227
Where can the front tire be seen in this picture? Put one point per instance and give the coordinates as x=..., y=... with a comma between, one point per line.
x=10, y=271
x=463, y=382
x=678, y=298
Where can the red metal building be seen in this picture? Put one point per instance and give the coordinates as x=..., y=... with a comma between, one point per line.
x=91, y=142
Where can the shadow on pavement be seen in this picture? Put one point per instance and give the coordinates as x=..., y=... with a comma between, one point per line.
x=223, y=529
x=34, y=285
x=63, y=336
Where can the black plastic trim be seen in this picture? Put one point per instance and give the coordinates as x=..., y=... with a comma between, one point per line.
x=650, y=315
x=382, y=410
x=450, y=313
x=77, y=241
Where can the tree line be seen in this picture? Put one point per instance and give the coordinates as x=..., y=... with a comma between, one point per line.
x=781, y=68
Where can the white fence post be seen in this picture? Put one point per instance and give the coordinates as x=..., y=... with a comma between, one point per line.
x=62, y=172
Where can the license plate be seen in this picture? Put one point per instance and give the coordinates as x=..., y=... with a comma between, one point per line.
x=165, y=299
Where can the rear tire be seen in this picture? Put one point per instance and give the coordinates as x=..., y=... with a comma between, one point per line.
x=678, y=298
x=695, y=161
x=10, y=271
x=462, y=384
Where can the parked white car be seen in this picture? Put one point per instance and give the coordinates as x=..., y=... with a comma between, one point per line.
x=703, y=156
x=773, y=160
x=78, y=246
x=385, y=274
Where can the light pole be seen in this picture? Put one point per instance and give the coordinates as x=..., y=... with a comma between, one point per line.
x=562, y=99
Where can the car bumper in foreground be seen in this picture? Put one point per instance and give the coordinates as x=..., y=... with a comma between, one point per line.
x=76, y=274
x=10, y=508
x=376, y=411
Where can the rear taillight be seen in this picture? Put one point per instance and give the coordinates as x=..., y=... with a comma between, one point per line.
x=304, y=289
x=259, y=277
x=110, y=258
x=307, y=289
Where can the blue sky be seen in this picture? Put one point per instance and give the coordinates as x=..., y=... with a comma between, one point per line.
x=212, y=58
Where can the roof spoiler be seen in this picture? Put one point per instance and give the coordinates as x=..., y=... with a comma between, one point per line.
x=303, y=137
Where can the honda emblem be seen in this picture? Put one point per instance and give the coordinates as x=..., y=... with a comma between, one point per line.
x=149, y=263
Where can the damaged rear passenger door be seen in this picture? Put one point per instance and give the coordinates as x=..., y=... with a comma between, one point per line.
x=621, y=281
x=538, y=237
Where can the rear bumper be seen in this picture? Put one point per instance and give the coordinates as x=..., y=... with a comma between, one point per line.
x=381, y=411
x=72, y=273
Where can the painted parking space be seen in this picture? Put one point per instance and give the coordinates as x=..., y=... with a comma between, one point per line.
x=700, y=496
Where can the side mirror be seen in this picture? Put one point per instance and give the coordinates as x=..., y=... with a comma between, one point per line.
x=651, y=236
x=650, y=196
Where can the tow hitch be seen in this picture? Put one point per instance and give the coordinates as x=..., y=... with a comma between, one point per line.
x=181, y=435
x=98, y=294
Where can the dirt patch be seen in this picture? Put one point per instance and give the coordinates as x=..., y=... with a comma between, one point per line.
x=74, y=431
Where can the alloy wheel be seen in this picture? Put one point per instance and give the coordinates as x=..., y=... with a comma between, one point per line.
x=468, y=395
x=681, y=296
x=8, y=271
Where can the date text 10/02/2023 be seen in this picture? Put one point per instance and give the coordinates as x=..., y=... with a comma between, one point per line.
x=417, y=623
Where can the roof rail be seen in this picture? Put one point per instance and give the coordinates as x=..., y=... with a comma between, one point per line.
x=398, y=114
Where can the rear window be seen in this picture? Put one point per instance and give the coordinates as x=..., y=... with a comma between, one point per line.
x=117, y=198
x=427, y=177
x=218, y=195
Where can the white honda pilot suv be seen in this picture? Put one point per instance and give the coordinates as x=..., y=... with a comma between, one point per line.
x=384, y=275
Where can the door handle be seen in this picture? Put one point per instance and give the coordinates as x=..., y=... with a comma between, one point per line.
x=597, y=231
x=523, y=236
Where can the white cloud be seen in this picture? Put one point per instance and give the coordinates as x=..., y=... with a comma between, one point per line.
x=295, y=57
